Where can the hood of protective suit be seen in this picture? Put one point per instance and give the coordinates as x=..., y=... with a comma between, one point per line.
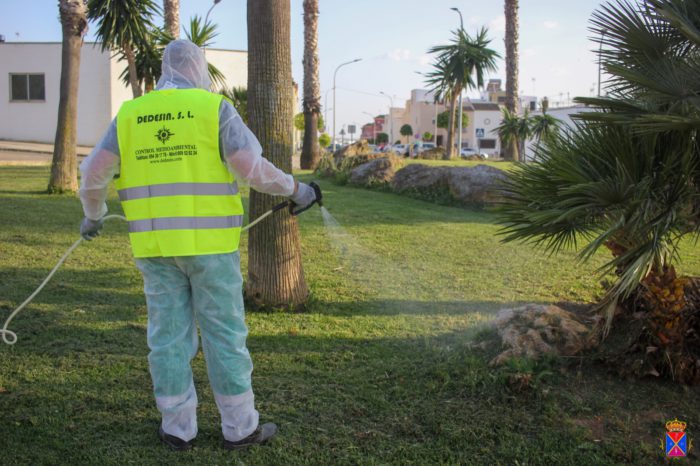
x=184, y=66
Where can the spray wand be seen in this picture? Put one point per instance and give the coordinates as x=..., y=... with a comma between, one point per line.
x=10, y=338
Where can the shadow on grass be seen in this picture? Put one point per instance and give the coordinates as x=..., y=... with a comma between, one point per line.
x=380, y=307
x=421, y=400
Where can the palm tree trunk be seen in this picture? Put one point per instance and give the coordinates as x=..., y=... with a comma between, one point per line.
x=64, y=166
x=311, y=151
x=171, y=15
x=449, y=150
x=275, y=273
x=511, y=39
x=133, y=75
x=149, y=84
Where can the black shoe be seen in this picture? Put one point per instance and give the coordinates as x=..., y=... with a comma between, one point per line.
x=174, y=443
x=259, y=436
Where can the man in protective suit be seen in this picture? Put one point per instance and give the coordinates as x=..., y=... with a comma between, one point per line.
x=178, y=151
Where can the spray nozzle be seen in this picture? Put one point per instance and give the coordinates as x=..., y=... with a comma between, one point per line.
x=318, y=200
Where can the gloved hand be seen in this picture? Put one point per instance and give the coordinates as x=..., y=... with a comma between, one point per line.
x=90, y=229
x=304, y=197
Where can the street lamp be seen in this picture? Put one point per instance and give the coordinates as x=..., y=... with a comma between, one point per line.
x=600, y=58
x=374, y=127
x=459, y=137
x=334, y=75
x=206, y=19
x=461, y=21
x=391, y=120
x=325, y=111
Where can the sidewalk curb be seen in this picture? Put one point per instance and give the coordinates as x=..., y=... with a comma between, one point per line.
x=34, y=151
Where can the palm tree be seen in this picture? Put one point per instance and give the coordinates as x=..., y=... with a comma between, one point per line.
x=514, y=131
x=543, y=127
x=64, y=173
x=149, y=59
x=275, y=273
x=511, y=40
x=627, y=178
x=239, y=98
x=171, y=15
x=460, y=65
x=310, y=151
x=124, y=25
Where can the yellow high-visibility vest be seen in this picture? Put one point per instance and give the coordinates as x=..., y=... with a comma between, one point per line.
x=178, y=196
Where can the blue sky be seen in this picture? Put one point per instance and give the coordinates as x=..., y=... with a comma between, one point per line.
x=392, y=37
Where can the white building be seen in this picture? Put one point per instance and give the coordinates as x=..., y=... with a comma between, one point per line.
x=565, y=116
x=31, y=73
x=480, y=133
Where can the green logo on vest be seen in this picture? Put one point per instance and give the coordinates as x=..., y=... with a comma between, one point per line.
x=163, y=134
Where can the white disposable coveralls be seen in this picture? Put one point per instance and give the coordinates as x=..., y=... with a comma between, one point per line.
x=203, y=289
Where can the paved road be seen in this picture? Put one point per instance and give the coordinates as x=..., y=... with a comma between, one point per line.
x=14, y=157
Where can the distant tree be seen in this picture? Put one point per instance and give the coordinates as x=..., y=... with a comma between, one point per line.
x=382, y=138
x=407, y=131
x=461, y=64
x=64, y=166
x=324, y=140
x=514, y=131
x=443, y=119
x=171, y=16
x=427, y=136
x=300, y=122
x=239, y=98
x=544, y=127
x=310, y=153
x=124, y=25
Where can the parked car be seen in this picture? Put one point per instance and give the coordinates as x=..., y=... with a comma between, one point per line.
x=468, y=152
x=373, y=148
x=428, y=146
x=400, y=149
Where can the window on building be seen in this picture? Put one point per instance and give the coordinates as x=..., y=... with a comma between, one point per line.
x=487, y=144
x=27, y=87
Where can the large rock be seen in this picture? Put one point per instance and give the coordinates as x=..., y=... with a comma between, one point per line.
x=378, y=171
x=351, y=162
x=360, y=147
x=534, y=330
x=477, y=185
x=432, y=154
x=419, y=177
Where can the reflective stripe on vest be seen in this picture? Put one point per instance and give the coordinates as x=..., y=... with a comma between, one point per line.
x=177, y=189
x=185, y=223
x=177, y=194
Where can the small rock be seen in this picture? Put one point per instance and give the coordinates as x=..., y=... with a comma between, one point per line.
x=535, y=330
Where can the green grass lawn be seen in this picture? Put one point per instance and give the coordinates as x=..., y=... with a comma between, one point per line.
x=383, y=368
